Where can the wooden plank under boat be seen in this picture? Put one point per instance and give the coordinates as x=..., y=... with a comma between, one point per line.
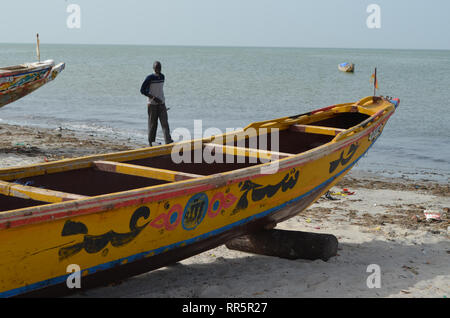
x=346, y=67
x=20, y=80
x=125, y=213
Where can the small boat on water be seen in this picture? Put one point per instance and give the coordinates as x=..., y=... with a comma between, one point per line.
x=346, y=67
x=121, y=214
x=20, y=80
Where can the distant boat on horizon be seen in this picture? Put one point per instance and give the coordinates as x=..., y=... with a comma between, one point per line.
x=20, y=80
x=346, y=67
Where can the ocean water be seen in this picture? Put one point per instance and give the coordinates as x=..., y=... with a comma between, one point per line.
x=231, y=87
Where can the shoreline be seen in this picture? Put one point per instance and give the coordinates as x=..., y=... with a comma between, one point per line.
x=23, y=145
x=382, y=223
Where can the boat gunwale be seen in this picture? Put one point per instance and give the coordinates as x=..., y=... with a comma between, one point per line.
x=100, y=203
x=27, y=69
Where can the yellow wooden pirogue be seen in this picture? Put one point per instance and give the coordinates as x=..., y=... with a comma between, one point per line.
x=124, y=213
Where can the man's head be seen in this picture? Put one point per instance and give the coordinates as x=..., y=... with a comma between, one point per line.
x=157, y=67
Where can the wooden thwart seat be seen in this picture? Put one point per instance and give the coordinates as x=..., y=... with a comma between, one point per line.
x=249, y=152
x=38, y=194
x=316, y=129
x=142, y=171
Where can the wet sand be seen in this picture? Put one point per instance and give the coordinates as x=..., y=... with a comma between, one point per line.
x=381, y=223
x=21, y=145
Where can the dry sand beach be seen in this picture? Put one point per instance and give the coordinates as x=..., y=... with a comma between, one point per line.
x=381, y=223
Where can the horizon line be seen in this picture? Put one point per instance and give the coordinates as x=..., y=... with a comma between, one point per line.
x=232, y=46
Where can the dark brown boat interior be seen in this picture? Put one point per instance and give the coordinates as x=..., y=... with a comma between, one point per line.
x=342, y=120
x=293, y=142
x=12, y=203
x=89, y=182
x=200, y=168
x=104, y=177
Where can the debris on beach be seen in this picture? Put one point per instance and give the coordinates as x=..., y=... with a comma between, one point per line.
x=411, y=269
x=347, y=192
x=432, y=215
x=329, y=197
x=344, y=192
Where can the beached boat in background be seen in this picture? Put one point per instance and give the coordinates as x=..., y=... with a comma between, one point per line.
x=20, y=80
x=124, y=213
x=346, y=67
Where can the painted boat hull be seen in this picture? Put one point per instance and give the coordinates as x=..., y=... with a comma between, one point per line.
x=15, y=84
x=130, y=232
x=145, y=264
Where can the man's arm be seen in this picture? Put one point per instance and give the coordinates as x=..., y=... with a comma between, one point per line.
x=145, y=89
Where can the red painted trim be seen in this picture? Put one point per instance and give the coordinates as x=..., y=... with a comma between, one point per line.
x=144, y=198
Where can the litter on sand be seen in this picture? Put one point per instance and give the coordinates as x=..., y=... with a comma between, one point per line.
x=344, y=192
x=329, y=197
x=432, y=215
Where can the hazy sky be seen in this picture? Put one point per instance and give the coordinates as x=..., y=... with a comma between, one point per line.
x=416, y=24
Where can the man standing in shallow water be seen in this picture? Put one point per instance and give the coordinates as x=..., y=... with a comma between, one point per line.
x=152, y=87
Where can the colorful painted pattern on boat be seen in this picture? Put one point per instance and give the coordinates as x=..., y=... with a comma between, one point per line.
x=15, y=85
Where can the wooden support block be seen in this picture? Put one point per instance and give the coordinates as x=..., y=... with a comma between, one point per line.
x=38, y=194
x=287, y=244
x=249, y=152
x=316, y=129
x=142, y=171
x=365, y=111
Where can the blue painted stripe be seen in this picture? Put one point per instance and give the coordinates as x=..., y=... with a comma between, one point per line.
x=130, y=259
